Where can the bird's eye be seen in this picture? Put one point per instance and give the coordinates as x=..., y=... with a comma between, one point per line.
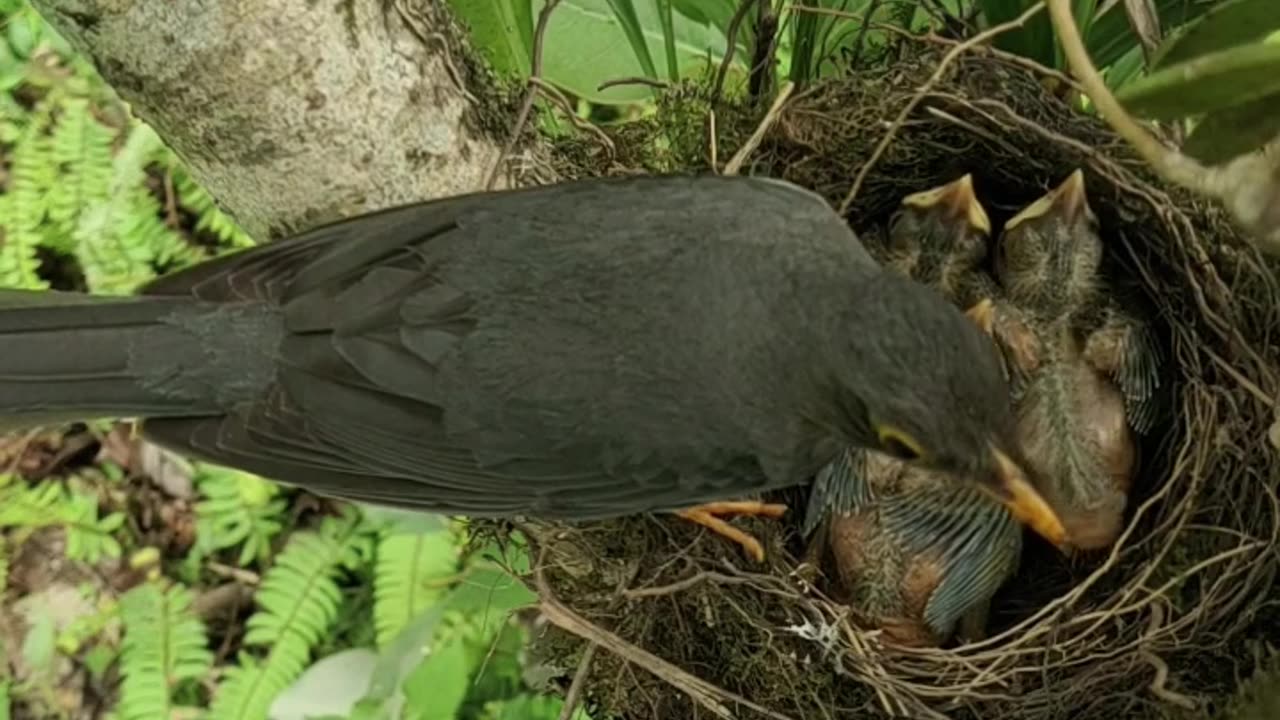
x=899, y=444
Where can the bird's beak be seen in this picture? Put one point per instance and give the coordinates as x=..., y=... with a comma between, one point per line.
x=1010, y=486
x=983, y=314
x=956, y=198
x=1067, y=201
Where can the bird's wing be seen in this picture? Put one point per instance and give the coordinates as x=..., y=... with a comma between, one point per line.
x=840, y=487
x=356, y=410
x=1124, y=347
x=977, y=543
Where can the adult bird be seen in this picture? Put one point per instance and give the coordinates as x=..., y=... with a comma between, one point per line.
x=575, y=351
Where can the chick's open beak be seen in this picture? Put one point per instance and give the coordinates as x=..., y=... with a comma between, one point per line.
x=1010, y=486
x=1068, y=201
x=957, y=199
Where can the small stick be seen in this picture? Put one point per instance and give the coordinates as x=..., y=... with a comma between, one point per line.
x=526, y=107
x=574, y=696
x=731, y=45
x=775, y=111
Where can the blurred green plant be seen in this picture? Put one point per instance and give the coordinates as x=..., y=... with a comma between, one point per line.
x=1221, y=72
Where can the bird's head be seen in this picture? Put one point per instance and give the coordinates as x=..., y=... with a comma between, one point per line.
x=939, y=230
x=921, y=382
x=1049, y=253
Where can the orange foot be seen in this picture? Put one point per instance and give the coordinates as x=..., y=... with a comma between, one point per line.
x=710, y=516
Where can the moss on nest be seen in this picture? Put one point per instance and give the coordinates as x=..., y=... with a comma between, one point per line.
x=1137, y=632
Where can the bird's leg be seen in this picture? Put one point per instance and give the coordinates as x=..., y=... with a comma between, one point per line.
x=711, y=517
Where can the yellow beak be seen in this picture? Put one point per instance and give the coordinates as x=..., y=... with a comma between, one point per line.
x=1012, y=489
x=956, y=198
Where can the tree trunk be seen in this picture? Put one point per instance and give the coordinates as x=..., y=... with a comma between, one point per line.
x=293, y=112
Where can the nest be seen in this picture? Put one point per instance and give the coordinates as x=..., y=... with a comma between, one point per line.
x=1155, y=627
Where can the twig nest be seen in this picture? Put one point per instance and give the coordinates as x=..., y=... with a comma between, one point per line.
x=1156, y=620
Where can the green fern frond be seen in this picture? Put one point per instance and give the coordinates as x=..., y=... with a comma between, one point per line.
x=298, y=600
x=82, y=149
x=413, y=571
x=209, y=217
x=164, y=644
x=114, y=246
x=32, y=170
x=237, y=509
x=89, y=537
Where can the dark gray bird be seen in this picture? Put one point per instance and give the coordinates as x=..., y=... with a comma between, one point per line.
x=576, y=351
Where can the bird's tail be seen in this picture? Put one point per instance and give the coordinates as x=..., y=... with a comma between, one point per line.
x=71, y=356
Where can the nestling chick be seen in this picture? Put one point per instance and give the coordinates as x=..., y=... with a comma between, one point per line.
x=913, y=556
x=918, y=557
x=1088, y=376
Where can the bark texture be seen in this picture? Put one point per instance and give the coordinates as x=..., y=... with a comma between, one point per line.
x=293, y=112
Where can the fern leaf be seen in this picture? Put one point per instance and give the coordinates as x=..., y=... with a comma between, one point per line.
x=237, y=509
x=298, y=602
x=164, y=644
x=81, y=147
x=115, y=239
x=32, y=170
x=412, y=571
x=209, y=217
x=89, y=538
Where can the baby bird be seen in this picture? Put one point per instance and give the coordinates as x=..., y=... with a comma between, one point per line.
x=913, y=555
x=917, y=556
x=1087, y=372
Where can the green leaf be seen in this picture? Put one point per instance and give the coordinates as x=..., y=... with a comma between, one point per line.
x=1234, y=131
x=23, y=32
x=716, y=13
x=625, y=12
x=1034, y=40
x=1209, y=83
x=298, y=600
x=400, y=520
x=1112, y=37
x=1228, y=24
x=502, y=30
x=582, y=41
x=1125, y=68
x=330, y=687
x=666, y=13
x=412, y=572
x=530, y=707
x=1083, y=11
x=164, y=643
x=436, y=689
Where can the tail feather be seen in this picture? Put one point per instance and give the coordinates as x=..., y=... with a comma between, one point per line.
x=71, y=356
